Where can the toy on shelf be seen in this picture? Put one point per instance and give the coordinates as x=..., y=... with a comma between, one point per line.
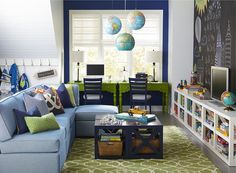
x=222, y=146
x=182, y=84
x=194, y=78
x=223, y=126
x=202, y=94
x=228, y=99
x=137, y=110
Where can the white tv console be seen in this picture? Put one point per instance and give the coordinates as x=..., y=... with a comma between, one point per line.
x=205, y=121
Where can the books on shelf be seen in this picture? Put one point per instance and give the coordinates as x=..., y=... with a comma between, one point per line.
x=189, y=105
x=110, y=138
x=210, y=118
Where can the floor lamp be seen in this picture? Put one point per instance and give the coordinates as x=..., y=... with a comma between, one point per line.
x=78, y=57
x=153, y=57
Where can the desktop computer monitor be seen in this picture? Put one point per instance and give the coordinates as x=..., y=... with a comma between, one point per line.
x=95, y=69
x=219, y=81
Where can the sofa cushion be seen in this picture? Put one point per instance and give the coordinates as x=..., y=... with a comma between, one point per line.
x=63, y=122
x=45, y=142
x=38, y=101
x=64, y=96
x=20, y=101
x=69, y=88
x=76, y=94
x=69, y=114
x=7, y=118
x=41, y=124
x=53, y=101
x=20, y=119
x=88, y=112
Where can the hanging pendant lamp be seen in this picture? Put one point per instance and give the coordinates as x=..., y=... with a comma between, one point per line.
x=125, y=42
x=135, y=20
x=113, y=25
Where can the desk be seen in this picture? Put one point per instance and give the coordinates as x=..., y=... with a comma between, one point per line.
x=163, y=87
x=108, y=87
x=111, y=87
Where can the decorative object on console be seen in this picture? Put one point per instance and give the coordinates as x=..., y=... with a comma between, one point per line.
x=124, y=71
x=202, y=94
x=193, y=79
x=135, y=20
x=136, y=117
x=113, y=25
x=125, y=42
x=153, y=57
x=228, y=99
x=137, y=110
x=77, y=57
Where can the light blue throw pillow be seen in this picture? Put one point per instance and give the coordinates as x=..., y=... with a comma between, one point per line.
x=37, y=101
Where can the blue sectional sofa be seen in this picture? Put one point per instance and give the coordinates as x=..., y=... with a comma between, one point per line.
x=43, y=152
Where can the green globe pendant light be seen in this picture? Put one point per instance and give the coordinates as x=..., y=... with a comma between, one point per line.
x=135, y=20
x=113, y=25
x=125, y=42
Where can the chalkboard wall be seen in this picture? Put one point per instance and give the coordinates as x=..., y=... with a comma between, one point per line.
x=215, y=38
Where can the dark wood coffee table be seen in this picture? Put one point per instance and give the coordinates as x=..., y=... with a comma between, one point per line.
x=138, y=140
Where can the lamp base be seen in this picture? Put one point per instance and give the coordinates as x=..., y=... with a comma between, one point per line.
x=154, y=81
x=77, y=81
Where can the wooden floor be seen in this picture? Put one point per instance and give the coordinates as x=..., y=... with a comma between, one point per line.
x=167, y=119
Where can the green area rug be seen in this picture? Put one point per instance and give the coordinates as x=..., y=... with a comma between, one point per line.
x=180, y=155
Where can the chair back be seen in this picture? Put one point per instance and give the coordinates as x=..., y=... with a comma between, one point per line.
x=138, y=86
x=93, y=86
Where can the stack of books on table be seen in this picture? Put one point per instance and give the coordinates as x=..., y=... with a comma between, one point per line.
x=110, y=138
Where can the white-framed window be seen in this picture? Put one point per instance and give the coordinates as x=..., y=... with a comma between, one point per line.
x=87, y=34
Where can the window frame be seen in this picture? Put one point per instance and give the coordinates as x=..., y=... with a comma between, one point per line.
x=101, y=44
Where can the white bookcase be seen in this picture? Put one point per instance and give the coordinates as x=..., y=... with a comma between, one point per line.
x=209, y=123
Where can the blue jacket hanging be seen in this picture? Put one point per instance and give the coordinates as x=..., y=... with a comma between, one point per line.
x=14, y=77
x=23, y=82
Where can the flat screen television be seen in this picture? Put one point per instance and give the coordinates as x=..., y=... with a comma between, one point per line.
x=95, y=69
x=219, y=81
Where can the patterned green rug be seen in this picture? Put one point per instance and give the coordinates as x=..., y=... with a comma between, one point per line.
x=180, y=155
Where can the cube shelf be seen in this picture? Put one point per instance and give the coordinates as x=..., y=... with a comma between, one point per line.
x=189, y=105
x=209, y=123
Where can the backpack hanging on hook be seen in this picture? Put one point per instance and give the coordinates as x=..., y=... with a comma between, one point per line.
x=23, y=82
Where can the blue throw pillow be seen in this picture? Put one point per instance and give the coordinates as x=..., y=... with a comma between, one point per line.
x=37, y=100
x=64, y=96
x=20, y=118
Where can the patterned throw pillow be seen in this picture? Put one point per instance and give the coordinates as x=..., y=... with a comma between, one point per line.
x=53, y=101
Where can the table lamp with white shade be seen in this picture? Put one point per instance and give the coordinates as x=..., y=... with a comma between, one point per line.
x=153, y=57
x=78, y=57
